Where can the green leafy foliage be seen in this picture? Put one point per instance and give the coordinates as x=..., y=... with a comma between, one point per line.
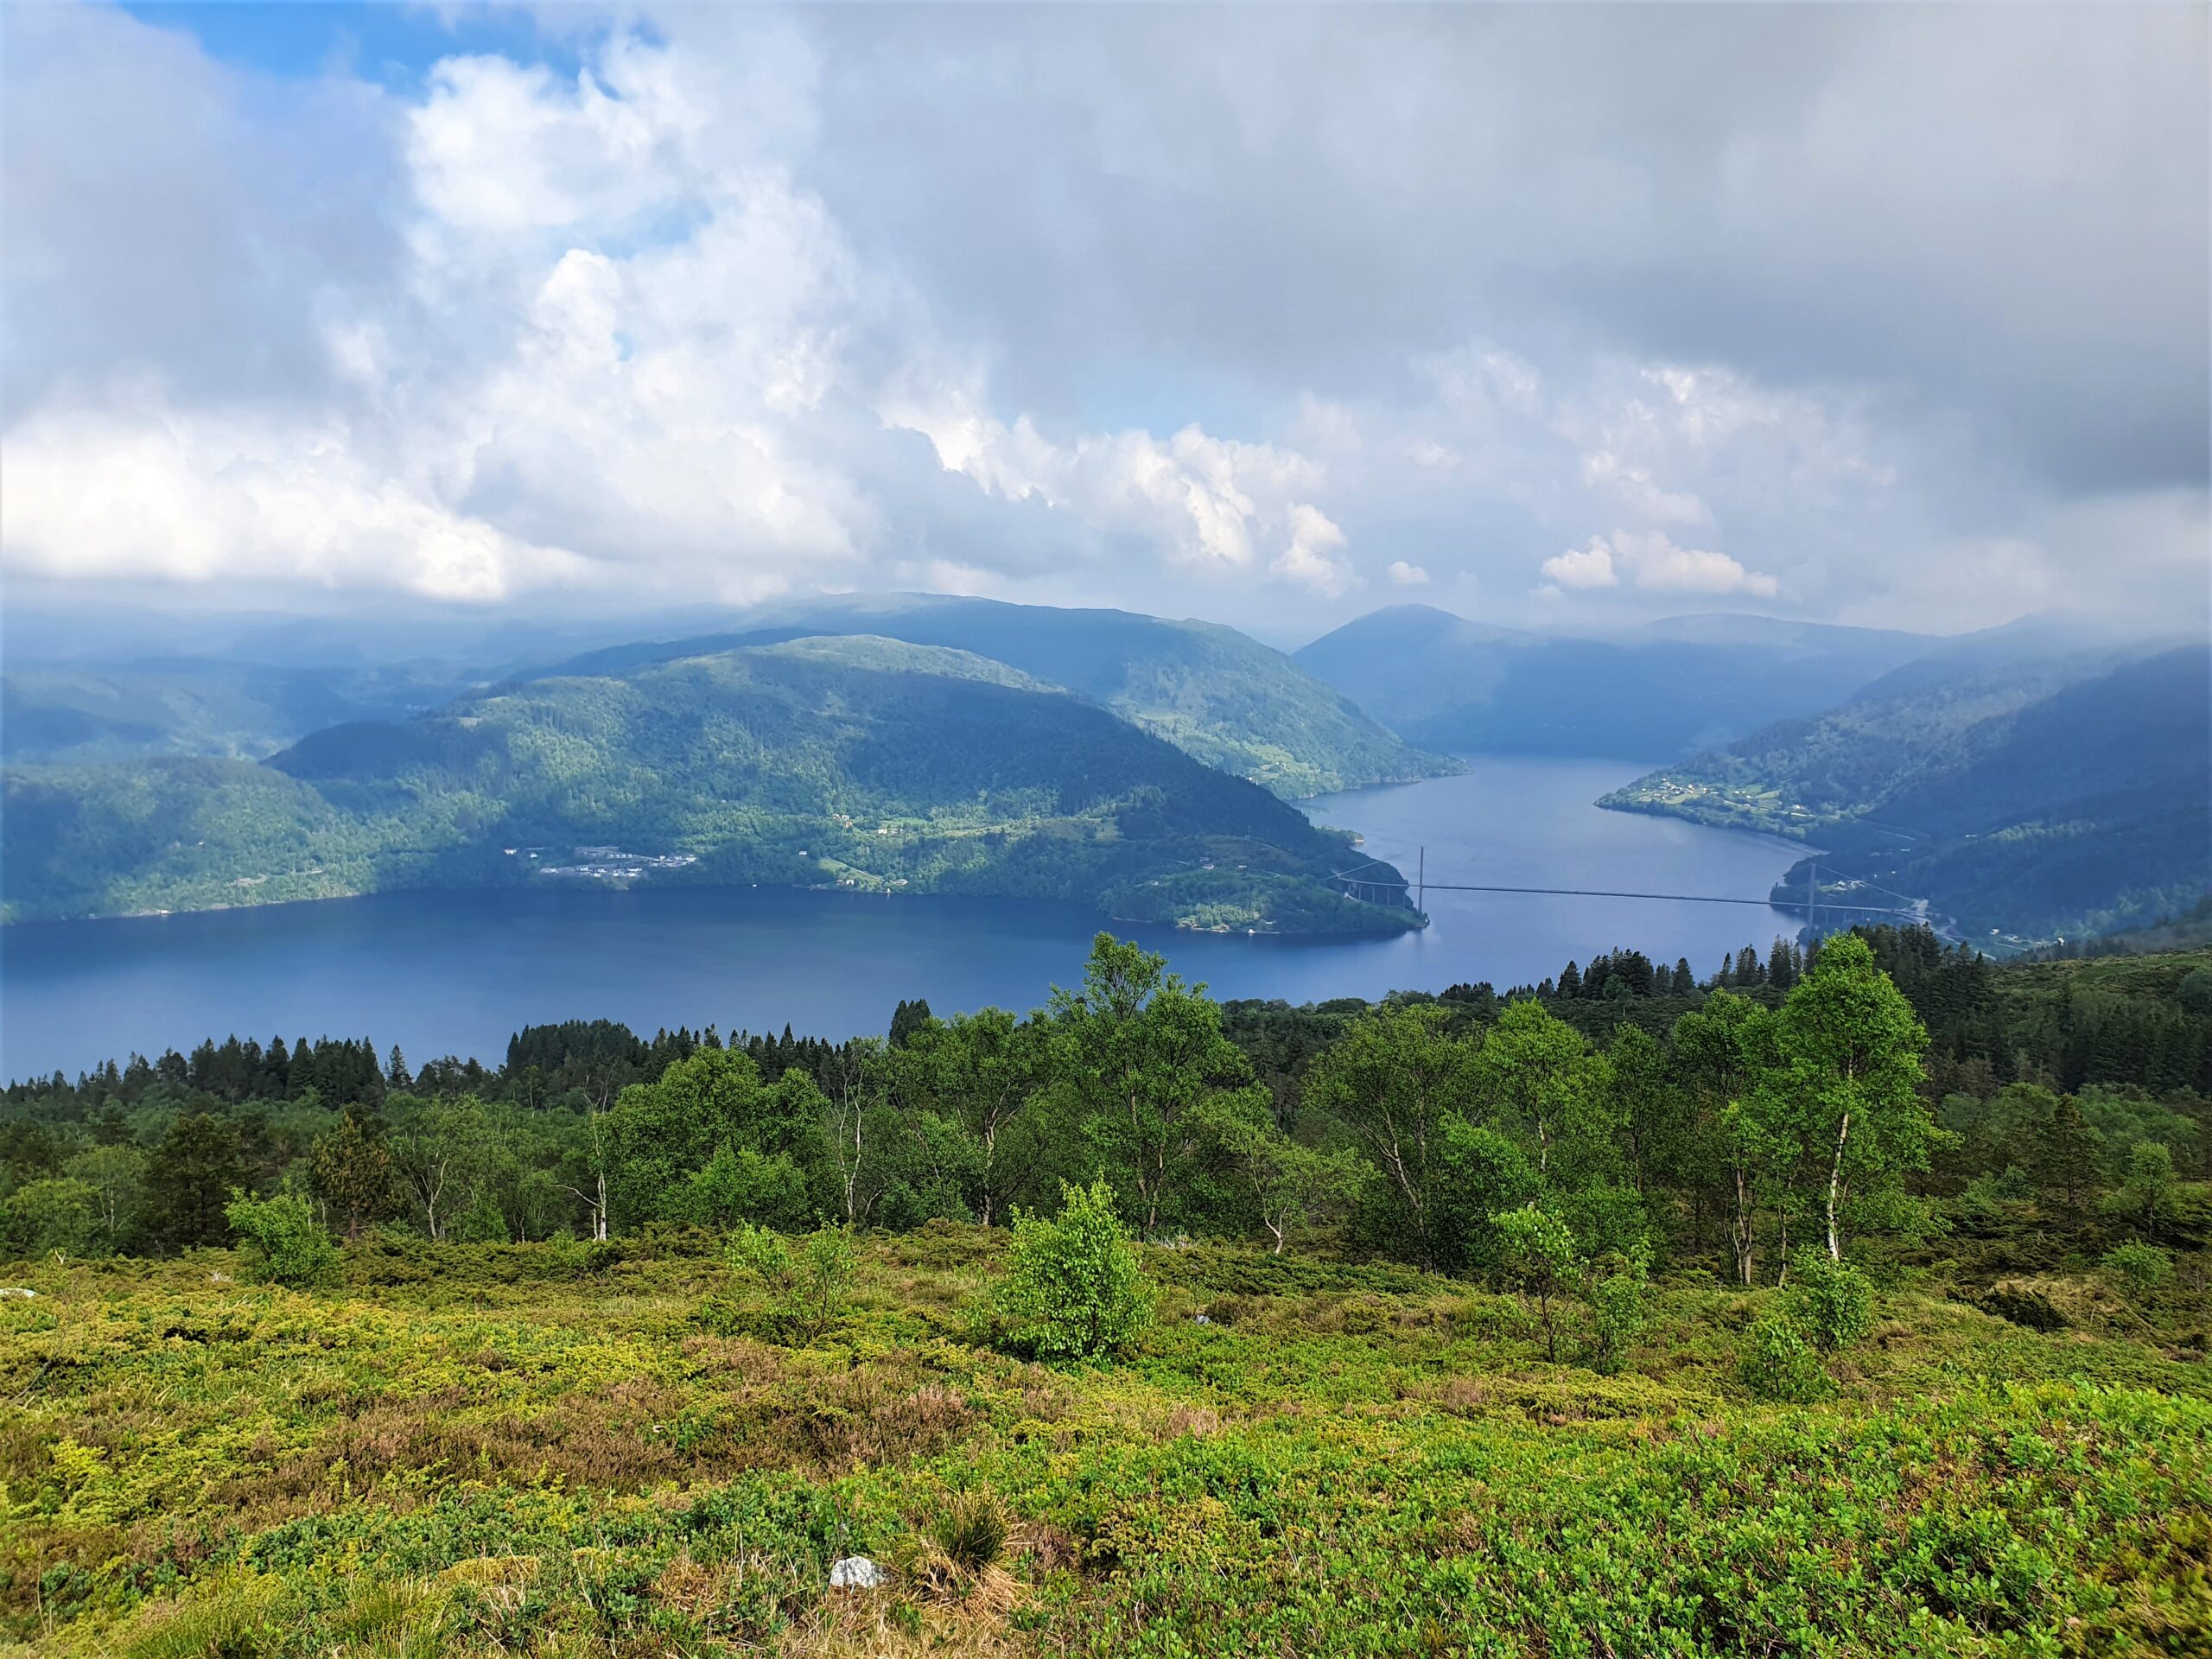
x=1074, y=1289
x=1620, y=1306
x=1536, y=1256
x=529, y=1448
x=807, y=1289
x=1830, y=1302
x=2144, y=1268
x=1779, y=1362
x=281, y=1240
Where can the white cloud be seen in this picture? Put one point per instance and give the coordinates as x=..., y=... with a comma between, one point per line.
x=627, y=352
x=194, y=499
x=665, y=323
x=1581, y=568
x=1204, y=499
x=1311, y=559
x=1634, y=486
x=1653, y=562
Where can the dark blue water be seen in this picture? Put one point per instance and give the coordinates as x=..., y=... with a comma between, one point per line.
x=456, y=973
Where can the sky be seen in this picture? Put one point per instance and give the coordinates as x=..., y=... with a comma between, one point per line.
x=1561, y=317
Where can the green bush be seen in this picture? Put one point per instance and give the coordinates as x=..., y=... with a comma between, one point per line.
x=2145, y=1269
x=1073, y=1288
x=1536, y=1255
x=808, y=1289
x=1830, y=1302
x=1619, y=1303
x=284, y=1244
x=1779, y=1363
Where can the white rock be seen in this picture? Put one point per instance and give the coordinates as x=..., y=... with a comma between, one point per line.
x=16, y=1293
x=858, y=1572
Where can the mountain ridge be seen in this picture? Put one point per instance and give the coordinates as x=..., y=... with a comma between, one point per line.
x=2052, y=799
x=857, y=761
x=1214, y=692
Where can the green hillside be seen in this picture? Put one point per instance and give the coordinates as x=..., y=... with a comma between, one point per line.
x=2054, y=801
x=1218, y=694
x=860, y=762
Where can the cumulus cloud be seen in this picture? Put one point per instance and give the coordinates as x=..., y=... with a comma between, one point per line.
x=1311, y=559
x=1653, y=562
x=1580, y=568
x=713, y=304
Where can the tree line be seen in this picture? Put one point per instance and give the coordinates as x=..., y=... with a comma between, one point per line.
x=1880, y=1086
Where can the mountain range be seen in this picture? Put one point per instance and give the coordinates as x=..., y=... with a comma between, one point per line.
x=2050, y=797
x=2036, y=779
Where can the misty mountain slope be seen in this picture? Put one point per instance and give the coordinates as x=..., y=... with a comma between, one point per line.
x=68, y=713
x=1668, y=688
x=1215, y=693
x=860, y=761
x=2032, y=803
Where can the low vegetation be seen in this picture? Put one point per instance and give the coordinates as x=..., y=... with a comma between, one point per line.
x=484, y=1449
x=1760, y=1317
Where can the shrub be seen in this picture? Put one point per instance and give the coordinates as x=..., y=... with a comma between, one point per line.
x=1829, y=1300
x=1536, y=1255
x=1073, y=1288
x=971, y=1529
x=1618, y=1305
x=284, y=1243
x=808, y=1289
x=2145, y=1269
x=2195, y=991
x=1778, y=1363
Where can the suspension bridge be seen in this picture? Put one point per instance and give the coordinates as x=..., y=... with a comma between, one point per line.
x=1421, y=886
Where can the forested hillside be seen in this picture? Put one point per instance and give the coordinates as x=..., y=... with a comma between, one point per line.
x=1218, y=694
x=1609, y=1317
x=2066, y=798
x=856, y=761
x=1466, y=687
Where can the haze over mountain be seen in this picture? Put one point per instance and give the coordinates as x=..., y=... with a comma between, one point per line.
x=89, y=712
x=1680, y=683
x=857, y=762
